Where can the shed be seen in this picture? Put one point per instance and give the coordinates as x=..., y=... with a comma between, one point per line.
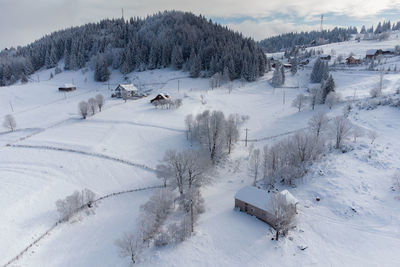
x=258, y=202
x=67, y=88
x=126, y=91
x=160, y=97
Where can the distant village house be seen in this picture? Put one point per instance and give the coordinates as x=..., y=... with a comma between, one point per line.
x=125, y=91
x=325, y=57
x=373, y=53
x=258, y=202
x=67, y=88
x=352, y=61
x=160, y=97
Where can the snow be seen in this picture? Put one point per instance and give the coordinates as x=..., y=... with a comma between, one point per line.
x=256, y=197
x=129, y=87
x=355, y=223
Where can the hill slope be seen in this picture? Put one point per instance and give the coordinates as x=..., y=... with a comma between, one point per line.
x=173, y=38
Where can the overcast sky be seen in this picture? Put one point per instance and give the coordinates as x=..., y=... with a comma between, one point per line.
x=23, y=21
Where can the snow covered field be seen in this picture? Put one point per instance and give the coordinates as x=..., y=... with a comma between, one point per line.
x=356, y=223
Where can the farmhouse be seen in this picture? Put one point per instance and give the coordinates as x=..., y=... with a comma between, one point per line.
x=67, y=88
x=325, y=57
x=159, y=97
x=351, y=61
x=287, y=66
x=125, y=91
x=258, y=202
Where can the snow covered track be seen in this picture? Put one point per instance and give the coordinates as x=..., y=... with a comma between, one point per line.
x=93, y=154
x=54, y=226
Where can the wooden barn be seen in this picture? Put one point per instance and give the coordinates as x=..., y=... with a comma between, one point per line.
x=125, y=91
x=160, y=97
x=258, y=202
x=352, y=61
x=373, y=53
x=67, y=88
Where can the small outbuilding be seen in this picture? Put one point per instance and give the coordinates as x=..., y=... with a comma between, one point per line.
x=373, y=53
x=325, y=57
x=352, y=61
x=126, y=91
x=258, y=202
x=67, y=88
x=160, y=97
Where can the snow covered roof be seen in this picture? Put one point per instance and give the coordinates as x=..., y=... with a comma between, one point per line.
x=290, y=199
x=324, y=55
x=128, y=87
x=69, y=85
x=164, y=96
x=262, y=199
x=256, y=197
x=371, y=52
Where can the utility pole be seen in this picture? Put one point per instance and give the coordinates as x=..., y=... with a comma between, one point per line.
x=245, y=140
x=122, y=10
x=284, y=97
x=322, y=19
x=178, y=86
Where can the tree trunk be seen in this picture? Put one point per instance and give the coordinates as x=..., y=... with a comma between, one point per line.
x=277, y=235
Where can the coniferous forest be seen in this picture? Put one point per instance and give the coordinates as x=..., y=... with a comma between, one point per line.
x=169, y=39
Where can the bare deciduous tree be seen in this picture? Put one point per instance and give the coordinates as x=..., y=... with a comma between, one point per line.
x=372, y=135
x=92, y=105
x=357, y=132
x=83, y=109
x=299, y=102
x=100, y=101
x=284, y=213
x=315, y=96
x=130, y=246
x=340, y=129
x=332, y=99
x=255, y=164
x=318, y=123
x=9, y=122
x=75, y=202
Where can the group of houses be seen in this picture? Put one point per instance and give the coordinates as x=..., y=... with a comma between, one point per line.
x=258, y=202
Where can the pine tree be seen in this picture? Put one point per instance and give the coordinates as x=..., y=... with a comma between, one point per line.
x=195, y=67
x=327, y=87
x=294, y=66
x=177, y=57
x=277, y=76
x=101, y=73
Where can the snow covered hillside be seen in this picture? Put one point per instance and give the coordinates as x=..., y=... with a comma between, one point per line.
x=53, y=152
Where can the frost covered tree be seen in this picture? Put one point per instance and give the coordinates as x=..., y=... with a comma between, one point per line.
x=372, y=135
x=340, y=129
x=284, y=215
x=100, y=101
x=130, y=245
x=318, y=123
x=332, y=99
x=83, y=107
x=320, y=71
x=255, y=164
x=357, y=132
x=75, y=202
x=184, y=170
x=101, y=72
x=315, y=96
x=327, y=86
x=277, y=78
x=92, y=105
x=9, y=122
x=299, y=102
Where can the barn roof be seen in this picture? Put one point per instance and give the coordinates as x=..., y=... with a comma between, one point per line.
x=262, y=199
x=68, y=85
x=128, y=87
x=371, y=52
x=256, y=197
x=290, y=199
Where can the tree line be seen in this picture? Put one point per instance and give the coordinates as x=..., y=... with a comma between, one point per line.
x=169, y=39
